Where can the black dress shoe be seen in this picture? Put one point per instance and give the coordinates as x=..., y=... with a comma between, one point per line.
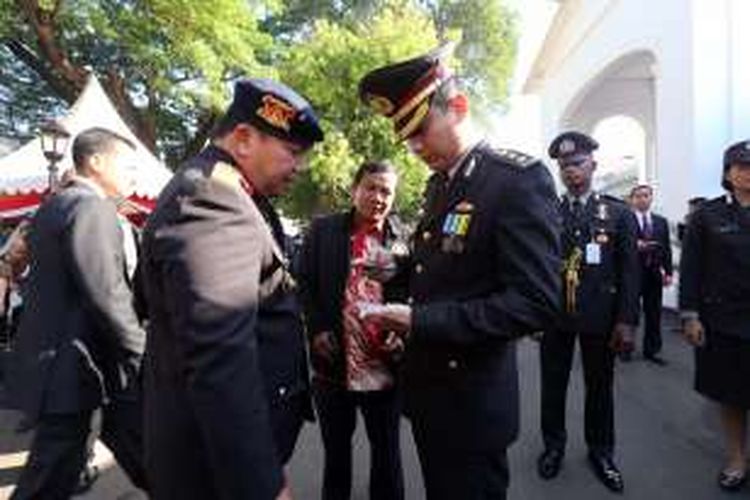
x=549, y=463
x=655, y=359
x=607, y=472
x=731, y=480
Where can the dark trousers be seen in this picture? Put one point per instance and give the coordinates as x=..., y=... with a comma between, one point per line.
x=337, y=412
x=59, y=450
x=598, y=371
x=651, y=296
x=465, y=474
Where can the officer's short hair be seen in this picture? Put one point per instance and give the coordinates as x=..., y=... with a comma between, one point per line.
x=93, y=141
x=372, y=167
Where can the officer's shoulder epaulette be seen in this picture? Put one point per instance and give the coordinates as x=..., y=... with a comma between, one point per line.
x=226, y=174
x=515, y=158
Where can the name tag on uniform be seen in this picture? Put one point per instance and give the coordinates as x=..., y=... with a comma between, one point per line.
x=593, y=254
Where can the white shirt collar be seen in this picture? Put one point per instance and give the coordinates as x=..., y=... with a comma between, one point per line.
x=584, y=198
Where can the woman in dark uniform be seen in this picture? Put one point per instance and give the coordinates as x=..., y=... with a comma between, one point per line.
x=715, y=305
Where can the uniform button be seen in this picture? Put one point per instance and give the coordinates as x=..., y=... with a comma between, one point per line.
x=418, y=268
x=426, y=236
x=452, y=364
x=578, y=232
x=282, y=391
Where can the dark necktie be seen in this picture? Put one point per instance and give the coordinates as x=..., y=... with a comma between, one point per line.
x=576, y=209
x=648, y=230
x=440, y=193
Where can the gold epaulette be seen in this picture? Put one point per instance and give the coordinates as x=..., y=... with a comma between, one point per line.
x=516, y=157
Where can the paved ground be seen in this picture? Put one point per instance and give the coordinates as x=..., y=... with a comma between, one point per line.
x=668, y=444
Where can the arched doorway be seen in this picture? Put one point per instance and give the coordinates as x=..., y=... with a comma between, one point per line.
x=622, y=154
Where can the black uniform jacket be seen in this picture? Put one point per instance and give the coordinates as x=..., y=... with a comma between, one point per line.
x=608, y=287
x=485, y=271
x=324, y=271
x=80, y=343
x=226, y=345
x=715, y=267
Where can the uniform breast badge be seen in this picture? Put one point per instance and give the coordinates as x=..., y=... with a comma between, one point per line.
x=571, y=270
x=456, y=227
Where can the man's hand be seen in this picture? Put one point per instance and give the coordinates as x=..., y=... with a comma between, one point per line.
x=396, y=317
x=324, y=345
x=393, y=344
x=622, y=340
x=692, y=330
x=666, y=280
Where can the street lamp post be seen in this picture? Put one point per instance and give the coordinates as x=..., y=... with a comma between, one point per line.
x=54, y=142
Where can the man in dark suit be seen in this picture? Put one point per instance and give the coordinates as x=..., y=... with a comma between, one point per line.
x=484, y=272
x=655, y=252
x=345, y=262
x=80, y=343
x=600, y=281
x=225, y=372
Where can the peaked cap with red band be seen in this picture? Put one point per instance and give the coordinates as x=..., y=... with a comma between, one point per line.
x=403, y=91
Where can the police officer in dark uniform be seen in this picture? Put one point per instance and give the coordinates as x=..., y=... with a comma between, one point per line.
x=485, y=271
x=226, y=376
x=600, y=284
x=715, y=305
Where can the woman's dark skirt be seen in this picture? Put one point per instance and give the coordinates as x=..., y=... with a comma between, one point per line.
x=722, y=370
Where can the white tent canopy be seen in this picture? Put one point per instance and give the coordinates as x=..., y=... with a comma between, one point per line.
x=25, y=169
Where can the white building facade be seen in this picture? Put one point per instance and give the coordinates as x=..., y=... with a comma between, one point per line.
x=679, y=68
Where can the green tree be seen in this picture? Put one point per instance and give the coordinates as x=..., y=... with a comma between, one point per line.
x=167, y=65
x=353, y=38
x=163, y=63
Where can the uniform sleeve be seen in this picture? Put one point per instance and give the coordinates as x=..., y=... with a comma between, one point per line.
x=527, y=251
x=628, y=268
x=691, y=270
x=95, y=256
x=211, y=274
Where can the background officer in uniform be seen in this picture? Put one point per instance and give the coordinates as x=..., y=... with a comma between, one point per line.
x=655, y=253
x=80, y=343
x=226, y=376
x=600, y=282
x=485, y=271
x=715, y=305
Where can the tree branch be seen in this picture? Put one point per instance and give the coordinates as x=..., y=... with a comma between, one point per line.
x=24, y=54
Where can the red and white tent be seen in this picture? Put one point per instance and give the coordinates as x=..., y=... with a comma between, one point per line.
x=24, y=175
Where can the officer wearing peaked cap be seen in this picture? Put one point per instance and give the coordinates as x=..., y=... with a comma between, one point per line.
x=226, y=376
x=600, y=285
x=484, y=272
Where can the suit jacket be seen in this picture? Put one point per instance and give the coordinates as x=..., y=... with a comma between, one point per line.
x=225, y=357
x=324, y=270
x=80, y=342
x=485, y=271
x=715, y=268
x=608, y=290
x=658, y=257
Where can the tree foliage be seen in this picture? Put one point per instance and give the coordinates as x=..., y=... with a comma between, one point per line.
x=167, y=65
